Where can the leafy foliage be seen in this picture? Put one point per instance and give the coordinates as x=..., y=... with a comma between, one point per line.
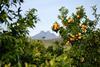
x=14, y=40
x=80, y=46
x=81, y=37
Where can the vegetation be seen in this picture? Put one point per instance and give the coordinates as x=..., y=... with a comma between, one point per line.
x=80, y=46
x=80, y=37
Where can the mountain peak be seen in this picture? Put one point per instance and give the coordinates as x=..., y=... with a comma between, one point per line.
x=42, y=32
x=45, y=35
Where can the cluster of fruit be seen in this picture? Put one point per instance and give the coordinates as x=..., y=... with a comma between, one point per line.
x=70, y=20
x=67, y=21
x=55, y=27
x=84, y=28
x=74, y=37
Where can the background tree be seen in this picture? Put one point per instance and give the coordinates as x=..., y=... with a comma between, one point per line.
x=14, y=39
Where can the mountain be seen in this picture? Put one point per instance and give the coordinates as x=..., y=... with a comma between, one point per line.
x=45, y=35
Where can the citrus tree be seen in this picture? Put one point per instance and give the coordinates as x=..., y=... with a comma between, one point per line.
x=81, y=34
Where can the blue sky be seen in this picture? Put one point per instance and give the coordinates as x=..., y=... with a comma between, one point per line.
x=48, y=11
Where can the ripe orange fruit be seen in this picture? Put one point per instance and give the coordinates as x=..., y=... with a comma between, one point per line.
x=71, y=39
x=84, y=26
x=80, y=25
x=78, y=16
x=82, y=59
x=84, y=30
x=76, y=35
x=79, y=34
x=72, y=35
x=55, y=26
x=70, y=20
x=79, y=37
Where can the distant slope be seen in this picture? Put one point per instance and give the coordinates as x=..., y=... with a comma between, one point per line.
x=51, y=42
x=45, y=36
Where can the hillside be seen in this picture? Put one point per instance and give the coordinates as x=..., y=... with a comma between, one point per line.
x=45, y=36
